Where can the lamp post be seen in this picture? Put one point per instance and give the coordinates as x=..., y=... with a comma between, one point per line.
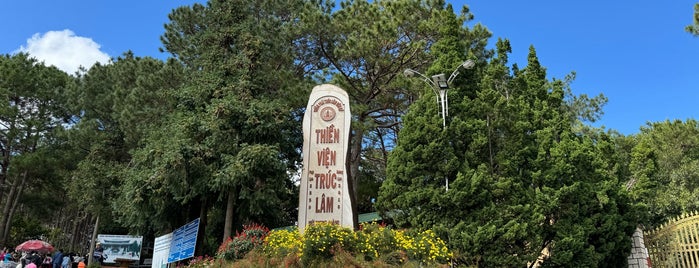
x=440, y=85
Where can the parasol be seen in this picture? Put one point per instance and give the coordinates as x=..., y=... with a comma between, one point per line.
x=35, y=245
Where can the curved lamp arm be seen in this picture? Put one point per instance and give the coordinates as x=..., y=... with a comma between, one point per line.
x=410, y=72
x=468, y=64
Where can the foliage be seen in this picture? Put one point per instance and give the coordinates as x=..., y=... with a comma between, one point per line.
x=214, y=132
x=231, y=139
x=373, y=243
x=522, y=180
x=284, y=242
x=694, y=27
x=322, y=240
x=363, y=47
x=427, y=246
x=116, y=106
x=203, y=262
x=25, y=228
x=664, y=170
x=251, y=237
x=33, y=111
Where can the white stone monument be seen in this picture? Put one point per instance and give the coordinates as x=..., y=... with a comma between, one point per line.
x=324, y=193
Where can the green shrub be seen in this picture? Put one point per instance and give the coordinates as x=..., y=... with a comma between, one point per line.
x=323, y=242
x=235, y=248
x=202, y=262
x=283, y=242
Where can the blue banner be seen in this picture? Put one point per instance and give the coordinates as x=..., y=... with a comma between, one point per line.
x=184, y=240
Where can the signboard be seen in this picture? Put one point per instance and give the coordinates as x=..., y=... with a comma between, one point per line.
x=120, y=247
x=161, y=251
x=184, y=240
x=324, y=194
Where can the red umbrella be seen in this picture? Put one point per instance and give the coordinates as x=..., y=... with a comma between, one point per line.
x=35, y=245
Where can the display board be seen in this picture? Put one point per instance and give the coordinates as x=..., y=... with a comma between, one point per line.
x=120, y=247
x=184, y=241
x=161, y=251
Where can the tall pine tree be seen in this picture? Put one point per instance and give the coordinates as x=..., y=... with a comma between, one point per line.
x=522, y=181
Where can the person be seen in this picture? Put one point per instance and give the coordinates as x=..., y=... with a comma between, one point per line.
x=35, y=258
x=23, y=260
x=8, y=256
x=98, y=255
x=76, y=259
x=65, y=263
x=30, y=265
x=48, y=261
x=57, y=259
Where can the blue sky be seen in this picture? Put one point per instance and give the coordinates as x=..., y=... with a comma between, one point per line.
x=634, y=52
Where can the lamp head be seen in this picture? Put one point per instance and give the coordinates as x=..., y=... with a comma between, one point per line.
x=408, y=73
x=440, y=80
x=468, y=64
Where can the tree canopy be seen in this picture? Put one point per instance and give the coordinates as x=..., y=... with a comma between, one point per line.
x=522, y=181
x=664, y=168
x=516, y=176
x=694, y=27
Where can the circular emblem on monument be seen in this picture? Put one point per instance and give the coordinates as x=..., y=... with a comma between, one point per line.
x=327, y=113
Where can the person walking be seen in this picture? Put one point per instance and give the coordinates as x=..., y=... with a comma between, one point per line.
x=57, y=259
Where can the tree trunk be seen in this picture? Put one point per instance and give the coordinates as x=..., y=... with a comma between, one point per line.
x=354, y=154
x=90, y=259
x=11, y=201
x=3, y=170
x=203, y=211
x=83, y=228
x=6, y=232
x=230, y=209
x=76, y=223
x=6, y=213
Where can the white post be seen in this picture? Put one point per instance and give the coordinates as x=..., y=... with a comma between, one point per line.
x=442, y=96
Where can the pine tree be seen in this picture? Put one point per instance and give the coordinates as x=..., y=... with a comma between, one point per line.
x=522, y=181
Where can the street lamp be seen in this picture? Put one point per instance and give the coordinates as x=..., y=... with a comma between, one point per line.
x=440, y=84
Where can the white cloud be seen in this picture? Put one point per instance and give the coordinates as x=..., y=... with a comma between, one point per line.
x=65, y=50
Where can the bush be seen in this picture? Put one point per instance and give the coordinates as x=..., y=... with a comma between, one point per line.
x=283, y=242
x=202, y=262
x=329, y=245
x=235, y=248
x=427, y=246
x=376, y=240
x=323, y=242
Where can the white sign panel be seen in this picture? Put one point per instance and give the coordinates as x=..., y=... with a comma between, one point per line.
x=161, y=250
x=120, y=247
x=324, y=193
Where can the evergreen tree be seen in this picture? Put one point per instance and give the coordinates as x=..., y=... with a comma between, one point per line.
x=32, y=112
x=522, y=181
x=231, y=142
x=113, y=107
x=665, y=170
x=363, y=47
x=694, y=27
